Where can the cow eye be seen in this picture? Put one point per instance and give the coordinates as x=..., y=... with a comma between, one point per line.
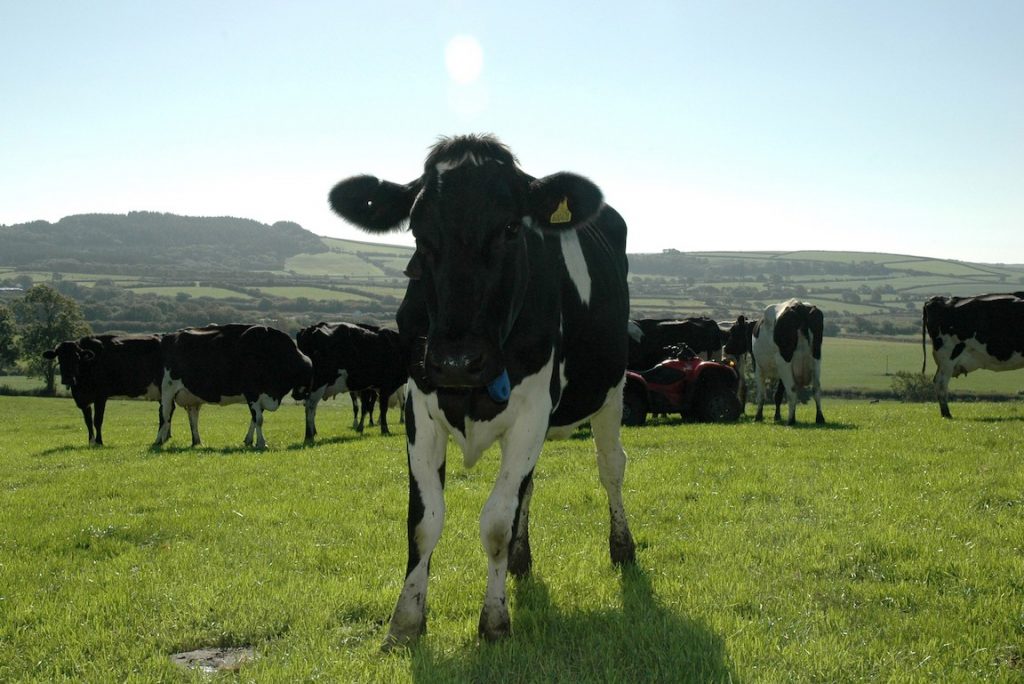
x=513, y=229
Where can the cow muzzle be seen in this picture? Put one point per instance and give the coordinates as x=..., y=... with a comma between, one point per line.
x=468, y=365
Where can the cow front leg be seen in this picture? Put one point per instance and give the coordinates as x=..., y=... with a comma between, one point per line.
x=426, y=458
x=787, y=392
x=520, y=448
x=311, y=403
x=101, y=408
x=520, y=557
x=87, y=417
x=384, y=399
x=611, y=465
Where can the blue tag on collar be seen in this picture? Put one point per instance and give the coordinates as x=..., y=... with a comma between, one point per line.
x=499, y=389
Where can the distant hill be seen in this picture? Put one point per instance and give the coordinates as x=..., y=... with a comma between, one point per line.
x=149, y=272
x=113, y=243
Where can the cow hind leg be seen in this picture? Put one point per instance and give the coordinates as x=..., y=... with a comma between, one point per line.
x=611, y=466
x=165, y=410
x=426, y=458
x=193, y=424
x=819, y=417
x=941, y=383
x=782, y=391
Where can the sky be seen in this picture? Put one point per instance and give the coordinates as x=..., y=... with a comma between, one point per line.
x=893, y=126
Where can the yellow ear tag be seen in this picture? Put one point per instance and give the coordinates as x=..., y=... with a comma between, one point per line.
x=562, y=213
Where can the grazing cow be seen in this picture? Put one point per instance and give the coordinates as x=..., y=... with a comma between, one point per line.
x=969, y=333
x=352, y=357
x=648, y=339
x=786, y=345
x=229, y=364
x=96, y=368
x=516, y=308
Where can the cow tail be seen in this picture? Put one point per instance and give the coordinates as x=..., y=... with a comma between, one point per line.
x=924, y=329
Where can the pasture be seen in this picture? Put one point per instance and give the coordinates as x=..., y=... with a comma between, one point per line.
x=885, y=546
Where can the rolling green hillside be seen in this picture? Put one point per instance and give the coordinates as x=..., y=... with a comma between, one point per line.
x=300, y=278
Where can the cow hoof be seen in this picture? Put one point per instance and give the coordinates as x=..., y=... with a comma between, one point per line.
x=403, y=634
x=494, y=627
x=623, y=551
x=819, y=419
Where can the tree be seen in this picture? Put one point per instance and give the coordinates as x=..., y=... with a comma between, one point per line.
x=46, y=318
x=8, y=352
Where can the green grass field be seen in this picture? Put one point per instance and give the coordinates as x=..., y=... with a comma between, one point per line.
x=885, y=546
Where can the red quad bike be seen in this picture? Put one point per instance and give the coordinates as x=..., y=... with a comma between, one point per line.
x=697, y=390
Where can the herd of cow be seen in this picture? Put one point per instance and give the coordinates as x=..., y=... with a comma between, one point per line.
x=514, y=328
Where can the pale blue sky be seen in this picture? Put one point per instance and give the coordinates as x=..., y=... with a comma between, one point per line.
x=872, y=126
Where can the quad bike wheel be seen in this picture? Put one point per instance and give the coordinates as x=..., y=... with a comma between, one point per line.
x=634, y=409
x=719, y=404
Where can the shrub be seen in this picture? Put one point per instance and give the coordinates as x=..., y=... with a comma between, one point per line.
x=912, y=387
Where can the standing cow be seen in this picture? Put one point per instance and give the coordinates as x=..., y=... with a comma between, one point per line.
x=786, y=345
x=96, y=368
x=516, y=306
x=738, y=339
x=352, y=357
x=229, y=364
x=969, y=333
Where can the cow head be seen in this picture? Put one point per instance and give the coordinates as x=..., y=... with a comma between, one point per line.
x=737, y=340
x=70, y=355
x=475, y=217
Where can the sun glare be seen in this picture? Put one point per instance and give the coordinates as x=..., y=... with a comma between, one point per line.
x=464, y=59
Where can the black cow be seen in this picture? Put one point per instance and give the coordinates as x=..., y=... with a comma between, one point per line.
x=351, y=357
x=737, y=347
x=229, y=364
x=648, y=339
x=968, y=333
x=786, y=346
x=516, y=310
x=98, y=367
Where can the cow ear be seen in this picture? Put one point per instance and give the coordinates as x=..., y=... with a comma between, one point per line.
x=376, y=206
x=563, y=201
x=50, y=354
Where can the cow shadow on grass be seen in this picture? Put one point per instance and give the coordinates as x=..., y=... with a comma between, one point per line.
x=643, y=641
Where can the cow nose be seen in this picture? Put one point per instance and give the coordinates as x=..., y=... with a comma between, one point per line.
x=456, y=367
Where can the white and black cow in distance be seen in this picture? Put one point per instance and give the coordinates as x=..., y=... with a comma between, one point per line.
x=968, y=333
x=229, y=364
x=98, y=367
x=516, y=308
x=786, y=345
x=352, y=357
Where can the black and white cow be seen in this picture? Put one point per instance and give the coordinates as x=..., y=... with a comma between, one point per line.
x=98, y=367
x=786, y=346
x=516, y=306
x=352, y=357
x=968, y=333
x=229, y=364
x=649, y=337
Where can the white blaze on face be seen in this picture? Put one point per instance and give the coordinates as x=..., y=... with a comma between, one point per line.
x=464, y=59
